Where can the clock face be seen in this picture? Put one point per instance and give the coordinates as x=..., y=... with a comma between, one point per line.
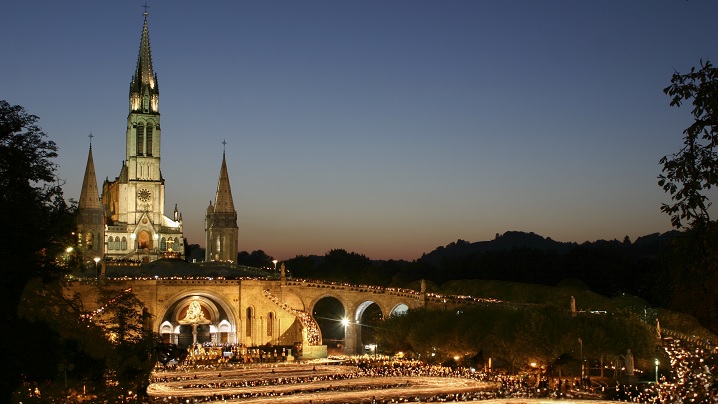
x=144, y=195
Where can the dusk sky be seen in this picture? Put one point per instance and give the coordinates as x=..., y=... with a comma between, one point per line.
x=386, y=128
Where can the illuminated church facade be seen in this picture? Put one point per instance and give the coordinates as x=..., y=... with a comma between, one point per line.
x=127, y=222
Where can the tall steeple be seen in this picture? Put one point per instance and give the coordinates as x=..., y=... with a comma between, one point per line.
x=144, y=91
x=143, y=121
x=221, y=221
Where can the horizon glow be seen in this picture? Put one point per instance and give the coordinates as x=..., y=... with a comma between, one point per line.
x=386, y=129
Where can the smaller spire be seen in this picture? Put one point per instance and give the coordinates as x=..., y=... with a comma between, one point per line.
x=223, y=200
x=89, y=195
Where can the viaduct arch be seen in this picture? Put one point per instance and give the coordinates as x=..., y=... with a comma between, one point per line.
x=253, y=312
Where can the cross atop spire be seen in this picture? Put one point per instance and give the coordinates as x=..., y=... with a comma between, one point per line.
x=224, y=146
x=90, y=136
x=145, y=14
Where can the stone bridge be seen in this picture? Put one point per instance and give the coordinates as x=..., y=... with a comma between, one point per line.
x=252, y=311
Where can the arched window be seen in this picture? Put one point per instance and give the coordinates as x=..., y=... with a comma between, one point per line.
x=163, y=244
x=117, y=243
x=123, y=246
x=249, y=322
x=149, y=140
x=110, y=246
x=89, y=240
x=176, y=246
x=140, y=138
x=270, y=324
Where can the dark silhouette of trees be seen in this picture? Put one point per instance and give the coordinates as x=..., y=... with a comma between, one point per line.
x=36, y=228
x=125, y=322
x=193, y=252
x=687, y=176
x=518, y=336
x=693, y=170
x=257, y=258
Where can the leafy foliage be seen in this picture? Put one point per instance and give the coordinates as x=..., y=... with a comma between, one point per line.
x=694, y=168
x=687, y=175
x=517, y=335
x=125, y=322
x=36, y=227
x=257, y=258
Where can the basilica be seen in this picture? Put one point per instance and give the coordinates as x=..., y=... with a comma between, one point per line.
x=127, y=223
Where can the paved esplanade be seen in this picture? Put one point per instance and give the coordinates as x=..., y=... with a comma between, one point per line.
x=310, y=383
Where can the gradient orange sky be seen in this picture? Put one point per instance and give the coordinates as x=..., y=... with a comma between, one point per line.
x=383, y=128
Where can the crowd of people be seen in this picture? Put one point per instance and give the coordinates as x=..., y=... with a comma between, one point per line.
x=692, y=379
x=212, y=355
x=509, y=386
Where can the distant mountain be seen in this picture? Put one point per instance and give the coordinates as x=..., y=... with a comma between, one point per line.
x=507, y=241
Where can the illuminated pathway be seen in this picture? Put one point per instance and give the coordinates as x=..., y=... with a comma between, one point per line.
x=692, y=380
x=303, y=384
x=308, y=383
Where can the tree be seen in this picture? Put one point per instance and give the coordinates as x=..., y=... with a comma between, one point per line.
x=693, y=170
x=342, y=266
x=36, y=224
x=55, y=323
x=687, y=175
x=257, y=259
x=125, y=321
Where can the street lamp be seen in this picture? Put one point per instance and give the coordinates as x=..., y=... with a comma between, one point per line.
x=97, y=274
x=657, y=363
x=345, y=323
x=68, y=251
x=580, y=341
x=275, y=264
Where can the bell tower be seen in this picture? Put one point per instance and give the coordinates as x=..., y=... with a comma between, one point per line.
x=143, y=137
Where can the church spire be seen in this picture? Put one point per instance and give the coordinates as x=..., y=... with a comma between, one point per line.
x=144, y=91
x=222, y=233
x=89, y=196
x=90, y=220
x=223, y=199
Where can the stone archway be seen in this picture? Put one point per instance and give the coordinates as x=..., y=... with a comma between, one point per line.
x=144, y=240
x=399, y=310
x=329, y=313
x=368, y=316
x=198, y=318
